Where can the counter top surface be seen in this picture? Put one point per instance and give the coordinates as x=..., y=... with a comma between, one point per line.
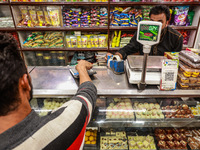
x=58, y=81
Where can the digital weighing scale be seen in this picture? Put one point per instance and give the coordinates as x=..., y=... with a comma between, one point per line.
x=148, y=34
x=134, y=69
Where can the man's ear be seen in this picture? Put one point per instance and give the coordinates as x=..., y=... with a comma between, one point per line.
x=24, y=83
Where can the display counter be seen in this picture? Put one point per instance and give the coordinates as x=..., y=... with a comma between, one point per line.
x=58, y=81
x=121, y=109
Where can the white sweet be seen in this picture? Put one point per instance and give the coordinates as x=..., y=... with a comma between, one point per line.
x=111, y=104
x=157, y=106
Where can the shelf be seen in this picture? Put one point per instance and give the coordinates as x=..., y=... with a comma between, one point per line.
x=4, y=3
x=133, y=123
x=172, y=26
x=114, y=49
x=62, y=29
x=184, y=27
x=64, y=49
x=86, y=49
x=7, y=29
x=42, y=49
x=154, y=3
x=61, y=3
x=122, y=28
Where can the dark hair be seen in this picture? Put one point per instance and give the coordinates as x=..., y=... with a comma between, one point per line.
x=12, y=68
x=159, y=9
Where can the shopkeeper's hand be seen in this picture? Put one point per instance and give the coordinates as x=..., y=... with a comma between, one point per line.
x=117, y=53
x=108, y=54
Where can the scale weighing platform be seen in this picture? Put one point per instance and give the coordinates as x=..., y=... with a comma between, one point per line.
x=134, y=67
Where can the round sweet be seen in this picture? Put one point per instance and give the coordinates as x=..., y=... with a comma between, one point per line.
x=111, y=104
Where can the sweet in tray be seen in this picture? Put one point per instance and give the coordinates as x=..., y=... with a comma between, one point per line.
x=90, y=137
x=148, y=111
x=141, y=142
x=196, y=110
x=51, y=104
x=177, y=111
x=193, y=138
x=120, y=109
x=171, y=138
x=117, y=141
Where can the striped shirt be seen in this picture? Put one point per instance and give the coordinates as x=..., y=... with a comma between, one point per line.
x=63, y=129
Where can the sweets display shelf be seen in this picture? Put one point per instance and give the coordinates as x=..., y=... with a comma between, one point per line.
x=37, y=20
x=123, y=114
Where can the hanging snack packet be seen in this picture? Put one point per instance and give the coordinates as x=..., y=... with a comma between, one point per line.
x=180, y=13
x=54, y=15
x=33, y=18
x=40, y=17
x=47, y=19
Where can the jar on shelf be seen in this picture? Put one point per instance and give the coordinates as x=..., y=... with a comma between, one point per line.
x=39, y=56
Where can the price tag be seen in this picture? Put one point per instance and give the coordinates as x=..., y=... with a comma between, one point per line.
x=77, y=33
x=169, y=74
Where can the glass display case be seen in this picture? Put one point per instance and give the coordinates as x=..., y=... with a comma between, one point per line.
x=124, y=117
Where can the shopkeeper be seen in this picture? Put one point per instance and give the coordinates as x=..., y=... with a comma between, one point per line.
x=20, y=127
x=170, y=41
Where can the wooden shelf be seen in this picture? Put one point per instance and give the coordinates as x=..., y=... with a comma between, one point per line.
x=184, y=27
x=122, y=28
x=42, y=49
x=61, y=3
x=64, y=49
x=114, y=49
x=154, y=3
x=86, y=49
x=4, y=3
x=7, y=29
x=62, y=29
x=135, y=28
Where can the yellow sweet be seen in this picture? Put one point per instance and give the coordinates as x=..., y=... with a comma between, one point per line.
x=195, y=73
x=88, y=142
x=186, y=75
x=188, y=72
x=91, y=138
x=87, y=133
x=86, y=138
x=91, y=133
x=93, y=142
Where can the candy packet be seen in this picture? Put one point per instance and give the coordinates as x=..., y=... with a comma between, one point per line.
x=180, y=13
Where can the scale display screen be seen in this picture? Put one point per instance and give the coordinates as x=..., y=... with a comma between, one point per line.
x=148, y=32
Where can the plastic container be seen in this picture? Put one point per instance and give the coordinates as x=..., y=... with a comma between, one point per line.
x=84, y=40
x=190, y=55
x=191, y=81
x=188, y=71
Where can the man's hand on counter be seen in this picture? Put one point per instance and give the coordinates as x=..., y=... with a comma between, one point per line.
x=82, y=68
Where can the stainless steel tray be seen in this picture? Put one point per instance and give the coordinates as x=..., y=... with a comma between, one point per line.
x=154, y=63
